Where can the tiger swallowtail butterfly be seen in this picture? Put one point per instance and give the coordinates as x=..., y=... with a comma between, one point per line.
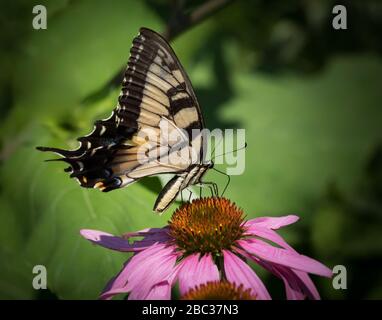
x=156, y=94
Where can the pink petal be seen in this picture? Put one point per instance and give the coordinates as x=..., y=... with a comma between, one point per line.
x=160, y=236
x=273, y=222
x=293, y=286
x=141, y=233
x=143, y=272
x=161, y=291
x=149, y=233
x=194, y=271
x=155, y=267
x=284, y=257
x=107, y=240
x=238, y=272
x=292, y=294
x=268, y=234
x=293, y=290
x=297, y=283
x=116, y=284
x=310, y=288
x=110, y=241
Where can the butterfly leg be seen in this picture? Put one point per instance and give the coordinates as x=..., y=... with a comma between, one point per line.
x=211, y=189
x=202, y=185
x=228, y=181
x=190, y=195
x=215, y=188
x=212, y=186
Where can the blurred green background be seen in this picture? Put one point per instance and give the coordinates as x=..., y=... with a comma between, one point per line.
x=308, y=96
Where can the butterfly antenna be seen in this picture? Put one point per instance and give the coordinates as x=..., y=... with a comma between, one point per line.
x=228, y=152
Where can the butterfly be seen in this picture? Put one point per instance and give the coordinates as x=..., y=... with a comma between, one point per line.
x=132, y=143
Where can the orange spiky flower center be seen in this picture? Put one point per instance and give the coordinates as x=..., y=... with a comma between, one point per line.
x=206, y=225
x=219, y=290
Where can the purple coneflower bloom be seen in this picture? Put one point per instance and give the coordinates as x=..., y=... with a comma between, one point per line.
x=208, y=240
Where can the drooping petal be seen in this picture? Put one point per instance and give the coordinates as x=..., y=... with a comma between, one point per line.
x=161, y=291
x=309, y=287
x=298, y=284
x=238, y=272
x=294, y=287
x=268, y=234
x=293, y=293
x=194, y=271
x=116, y=284
x=143, y=272
x=273, y=222
x=284, y=257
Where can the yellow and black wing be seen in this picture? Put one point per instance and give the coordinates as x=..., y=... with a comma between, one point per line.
x=155, y=90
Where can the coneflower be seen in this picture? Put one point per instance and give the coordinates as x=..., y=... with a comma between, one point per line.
x=206, y=241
